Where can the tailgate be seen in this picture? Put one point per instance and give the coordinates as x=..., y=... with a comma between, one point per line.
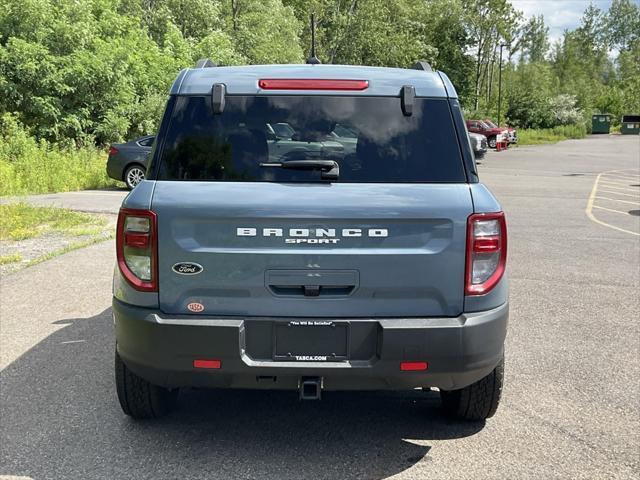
x=312, y=250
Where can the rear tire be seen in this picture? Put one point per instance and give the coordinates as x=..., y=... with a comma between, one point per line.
x=133, y=175
x=492, y=142
x=477, y=401
x=140, y=399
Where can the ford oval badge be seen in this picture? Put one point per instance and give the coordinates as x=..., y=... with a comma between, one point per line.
x=187, y=268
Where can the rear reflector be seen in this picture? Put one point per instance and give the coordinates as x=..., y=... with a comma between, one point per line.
x=212, y=364
x=113, y=151
x=413, y=366
x=311, y=84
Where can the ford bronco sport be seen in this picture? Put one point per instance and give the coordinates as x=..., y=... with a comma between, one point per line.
x=376, y=263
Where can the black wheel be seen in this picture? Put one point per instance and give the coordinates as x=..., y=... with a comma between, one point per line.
x=492, y=142
x=478, y=401
x=140, y=399
x=133, y=175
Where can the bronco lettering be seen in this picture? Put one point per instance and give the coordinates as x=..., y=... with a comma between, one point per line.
x=312, y=232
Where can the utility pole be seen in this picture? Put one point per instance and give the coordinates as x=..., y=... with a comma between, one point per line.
x=502, y=45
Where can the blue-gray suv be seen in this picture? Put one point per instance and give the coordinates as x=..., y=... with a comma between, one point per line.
x=365, y=256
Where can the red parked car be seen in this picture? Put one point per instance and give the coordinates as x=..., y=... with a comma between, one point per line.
x=478, y=126
x=513, y=134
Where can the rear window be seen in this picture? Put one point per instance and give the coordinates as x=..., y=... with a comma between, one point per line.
x=369, y=137
x=146, y=142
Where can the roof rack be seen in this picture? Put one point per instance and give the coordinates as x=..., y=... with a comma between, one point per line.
x=205, y=63
x=422, y=65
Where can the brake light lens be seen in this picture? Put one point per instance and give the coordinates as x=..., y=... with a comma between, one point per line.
x=311, y=84
x=137, y=248
x=113, y=151
x=486, y=252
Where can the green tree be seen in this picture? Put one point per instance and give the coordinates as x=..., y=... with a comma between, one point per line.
x=622, y=23
x=373, y=32
x=490, y=22
x=531, y=87
x=445, y=30
x=85, y=71
x=534, y=40
x=264, y=31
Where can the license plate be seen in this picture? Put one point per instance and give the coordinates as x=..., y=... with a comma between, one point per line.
x=311, y=341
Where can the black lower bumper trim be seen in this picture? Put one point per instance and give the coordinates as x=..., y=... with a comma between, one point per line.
x=161, y=348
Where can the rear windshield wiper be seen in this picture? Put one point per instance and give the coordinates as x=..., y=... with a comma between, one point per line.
x=330, y=170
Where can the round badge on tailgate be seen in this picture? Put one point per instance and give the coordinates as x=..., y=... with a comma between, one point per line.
x=187, y=268
x=195, y=307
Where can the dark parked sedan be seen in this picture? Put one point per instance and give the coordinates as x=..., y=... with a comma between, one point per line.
x=128, y=161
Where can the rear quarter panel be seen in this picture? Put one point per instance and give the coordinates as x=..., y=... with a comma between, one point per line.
x=139, y=198
x=485, y=202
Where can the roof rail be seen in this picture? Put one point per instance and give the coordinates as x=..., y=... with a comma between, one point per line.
x=422, y=65
x=205, y=63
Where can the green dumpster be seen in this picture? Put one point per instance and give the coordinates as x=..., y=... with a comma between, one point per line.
x=630, y=125
x=600, y=123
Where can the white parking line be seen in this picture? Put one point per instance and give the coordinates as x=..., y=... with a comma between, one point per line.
x=620, y=193
x=618, y=181
x=617, y=200
x=623, y=177
x=610, y=209
x=625, y=171
x=616, y=186
x=594, y=195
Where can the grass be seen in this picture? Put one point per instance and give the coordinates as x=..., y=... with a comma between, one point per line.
x=28, y=166
x=550, y=135
x=13, y=258
x=69, y=248
x=47, y=169
x=16, y=257
x=19, y=221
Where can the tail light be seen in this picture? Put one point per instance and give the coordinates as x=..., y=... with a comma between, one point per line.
x=113, y=151
x=137, y=248
x=486, y=252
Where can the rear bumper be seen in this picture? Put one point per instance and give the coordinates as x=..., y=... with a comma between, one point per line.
x=161, y=349
x=480, y=153
x=114, y=169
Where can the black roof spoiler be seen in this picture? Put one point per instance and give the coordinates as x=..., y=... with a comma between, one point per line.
x=422, y=65
x=205, y=63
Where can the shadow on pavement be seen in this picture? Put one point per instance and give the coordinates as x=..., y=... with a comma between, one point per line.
x=60, y=419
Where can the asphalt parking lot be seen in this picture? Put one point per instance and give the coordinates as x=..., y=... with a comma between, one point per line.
x=571, y=406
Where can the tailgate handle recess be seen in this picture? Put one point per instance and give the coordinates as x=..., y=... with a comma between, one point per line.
x=312, y=290
x=303, y=283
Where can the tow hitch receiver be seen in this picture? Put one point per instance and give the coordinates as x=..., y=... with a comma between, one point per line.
x=310, y=388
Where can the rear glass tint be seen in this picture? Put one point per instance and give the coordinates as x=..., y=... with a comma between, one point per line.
x=369, y=137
